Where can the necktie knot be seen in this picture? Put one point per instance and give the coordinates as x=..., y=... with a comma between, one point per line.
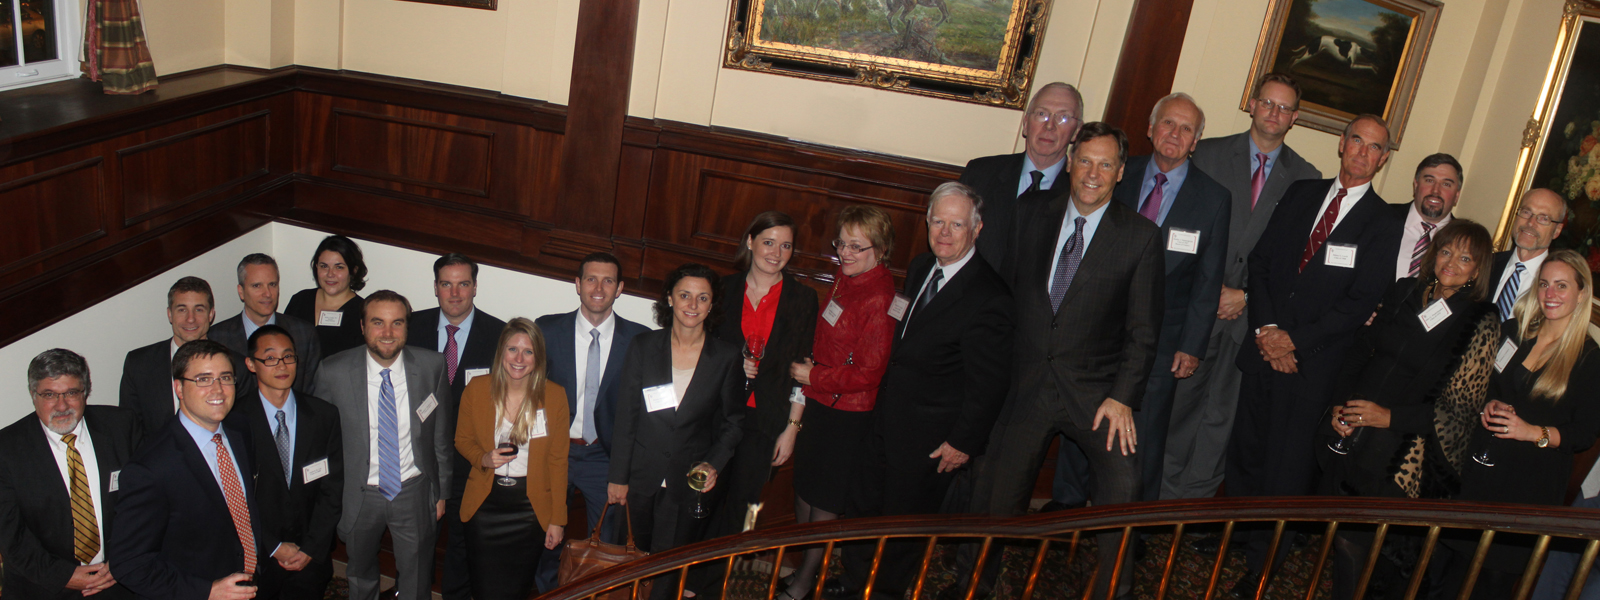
x=595, y=334
x=1079, y=223
x=1161, y=178
x=1427, y=227
x=216, y=438
x=451, y=330
x=68, y=439
x=385, y=374
x=1038, y=179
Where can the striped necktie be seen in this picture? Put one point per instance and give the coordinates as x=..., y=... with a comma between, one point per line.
x=1508, y=295
x=285, y=448
x=388, y=440
x=85, y=527
x=1324, y=228
x=238, y=507
x=1420, y=249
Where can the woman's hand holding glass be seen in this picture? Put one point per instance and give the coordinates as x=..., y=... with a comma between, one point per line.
x=1359, y=413
x=1501, y=420
x=497, y=458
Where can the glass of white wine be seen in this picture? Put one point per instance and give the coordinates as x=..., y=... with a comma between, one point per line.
x=697, y=482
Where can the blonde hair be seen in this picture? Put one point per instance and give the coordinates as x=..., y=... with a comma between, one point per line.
x=533, y=384
x=1552, y=381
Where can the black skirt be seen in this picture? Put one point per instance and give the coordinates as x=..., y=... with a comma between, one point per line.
x=504, y=542
x=827, y=453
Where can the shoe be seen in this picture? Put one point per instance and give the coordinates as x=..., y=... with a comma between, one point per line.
x=833, y=589
x=1053, y=506
x=1245, y=586
x=1208, y=544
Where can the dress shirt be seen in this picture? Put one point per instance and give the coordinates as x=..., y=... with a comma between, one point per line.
x=1272, y=157
x=950, y=271
x=1530, y=274
x=1409, y=237
x=465, y=328
x=1169, y=192
x=1351, y=197
x=291, y=416
x=250, y=326
x=1091, y=223
x=208, y=451
x=402, y=405
x=91, y=474
x=580, y=351
x=1050, y=174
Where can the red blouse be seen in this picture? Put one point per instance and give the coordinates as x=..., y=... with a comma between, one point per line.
x=756, y=321
x=853, y=353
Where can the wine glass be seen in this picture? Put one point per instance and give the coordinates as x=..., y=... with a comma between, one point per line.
x=1483, y=457
x=1344, y=445
x=505, y=479
x=754, y=347
x=697, y=482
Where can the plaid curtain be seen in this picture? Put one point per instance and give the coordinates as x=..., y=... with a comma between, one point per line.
x=114, y=50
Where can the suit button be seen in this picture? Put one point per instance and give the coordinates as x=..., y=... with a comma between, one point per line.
x=1049, y=357
x=1291, y=294
x=1054, y=324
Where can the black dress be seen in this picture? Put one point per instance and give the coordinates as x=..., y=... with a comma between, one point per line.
x=303, y=306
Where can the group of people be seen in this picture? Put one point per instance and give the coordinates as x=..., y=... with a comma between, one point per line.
x=1215, y=310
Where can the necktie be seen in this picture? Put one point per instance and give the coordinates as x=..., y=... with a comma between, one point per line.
x=1508, y=296
x=1323, y=228
x=285, y=452
x=85, y=526
x=1152, y=203
x=237, y=507
x=591, y=385
x=388, y=440
x=1421, y=248
x=1067, y=265
x=932, y=288
x=1038, y=178
x=1259, y=179
x=451, y=354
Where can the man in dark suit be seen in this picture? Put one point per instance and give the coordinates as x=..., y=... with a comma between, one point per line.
x=258, y=290
x=299, y=467
x=466, y=337
x=1434, y=190
x=58, y=470
x=1316, y=275
x=398, y=435
x=1006, y=181
x=1540, y=216
x=147, y=371
x=1203, y=404
x=188, y=523
x=573, y=342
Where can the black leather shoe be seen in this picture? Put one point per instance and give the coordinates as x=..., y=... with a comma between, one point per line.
x=1207, y=545
x=834, y=589
x=1053, y=506
x=1245, y=586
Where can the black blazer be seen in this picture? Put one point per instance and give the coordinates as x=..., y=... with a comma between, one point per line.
x=174, y=535
x=793, y=330
x=1322, y=307
x=147, y=384
x=705, y=427
x=1102, y=342
x=36, y=532
x=422, y=331
x=996, y=178
x=559, y=331
x=294, y=510
x=1194, y=281
x=948, y=369
x=307, y=348
x=303, y=306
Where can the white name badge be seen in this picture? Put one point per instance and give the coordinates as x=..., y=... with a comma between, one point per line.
x=424, y=411
x=1434, y=315
x=897, y=308
x=1341, y=255
x=1186, y=241
x=474, y=373
x=796, y=397
x=538, y=425
x=1503, y=357
x=115, y=475
x=832, y=312
x=330, y=318
x=314, y=471
x=660, y=397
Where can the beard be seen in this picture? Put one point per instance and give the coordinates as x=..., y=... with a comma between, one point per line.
x=1431, y=213
x=69, y=417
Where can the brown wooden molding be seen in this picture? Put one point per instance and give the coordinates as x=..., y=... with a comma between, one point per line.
x=602, y=69
x=1146, y=67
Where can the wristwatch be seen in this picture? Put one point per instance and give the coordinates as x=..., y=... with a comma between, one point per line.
x=796, y=424
x=1544, y=437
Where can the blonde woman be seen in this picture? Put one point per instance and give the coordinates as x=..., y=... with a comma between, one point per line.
x=512, y=429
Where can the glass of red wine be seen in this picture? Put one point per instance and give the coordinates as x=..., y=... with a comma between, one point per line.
x=1344, y=445
x=754, y=347
x=505, y=479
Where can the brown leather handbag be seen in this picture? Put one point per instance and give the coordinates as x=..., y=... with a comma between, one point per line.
x=582, y=558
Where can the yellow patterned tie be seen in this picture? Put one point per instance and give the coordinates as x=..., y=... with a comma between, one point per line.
x=85, y=527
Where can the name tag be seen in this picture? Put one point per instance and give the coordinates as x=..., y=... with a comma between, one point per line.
x=538, y=425
x=330, y=318
x=114, y=476
x=1434, y=315
x=833, y=312
x=660, y=397
x=897, y=309
x=314, y=471
x=426, y=410
x=1186, y=241
x=1503, y=357
x=1341, y=255
x=474, y=373
x=795, y=397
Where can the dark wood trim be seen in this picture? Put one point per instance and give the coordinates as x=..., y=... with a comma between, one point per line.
x=602, y=70
x=478, y=4
x=1146, y=67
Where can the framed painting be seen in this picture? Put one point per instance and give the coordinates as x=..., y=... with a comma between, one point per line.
x=1561, y=143
x=980, y=51
x=1351, y=57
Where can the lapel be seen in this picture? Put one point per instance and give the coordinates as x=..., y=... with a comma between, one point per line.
x=1009, y=177
x=38, y=449
x=1106, y=243
x=1182, y=214
x=304, y=450
x=1127, y=191
x=258, y=426
x=189, y=453
x=414, y=386
x=915, y=276
x=563, y=355
x=780, y=324
x=699, y=381
x=950, y=291
x=106, y=454
x=355, y=410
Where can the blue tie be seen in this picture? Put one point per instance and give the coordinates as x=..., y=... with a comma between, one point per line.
x=1508, y=296
x=591, y=386
x=388, y=440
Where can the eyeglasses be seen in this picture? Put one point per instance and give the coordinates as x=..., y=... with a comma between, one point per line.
x=1270, y=106
x=1542, y=219
x=287, y=359
x=68, y=395
x=1045, y=116
x=840, y=246
x=208, y=381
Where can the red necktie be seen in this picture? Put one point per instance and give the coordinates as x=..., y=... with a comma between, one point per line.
x=238, y=508
x=452, y=355
x=1324, y=227
x=1259, y=179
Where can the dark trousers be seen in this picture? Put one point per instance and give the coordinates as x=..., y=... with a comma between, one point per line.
x=456, y=580
x=310, y=583
x=660, y=523
x=910, y=485
x=587, y=467
x=1271, y=452
x=1150, y=422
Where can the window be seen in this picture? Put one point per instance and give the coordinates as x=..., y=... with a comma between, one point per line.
x=44, y=47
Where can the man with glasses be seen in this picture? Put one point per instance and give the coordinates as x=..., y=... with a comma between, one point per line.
x=1540, y=217
x=1005, y=181
x=258, y=290
x=58, y=467
x=147, y=371
x=299, y=467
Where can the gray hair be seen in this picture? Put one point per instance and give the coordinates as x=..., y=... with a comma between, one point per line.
x=255, y=259
x=1155, y=112
x=956, y=188
x=54, y=363
x=1058, y=85
x=1388, y=136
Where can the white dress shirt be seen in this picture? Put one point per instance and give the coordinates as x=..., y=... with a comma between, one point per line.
x=91, y=474
x=1351, y=197
x=581, y=338
x=518, y=467
x=1409, y=237
x=402, y=406
x=1530, y=274
x=949, y=270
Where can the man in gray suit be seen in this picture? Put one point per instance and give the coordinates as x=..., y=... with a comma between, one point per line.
x=258, y=290
x=398, y=422
x=1256, y=167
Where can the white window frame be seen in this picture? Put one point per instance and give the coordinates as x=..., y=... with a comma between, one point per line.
x=69, y=26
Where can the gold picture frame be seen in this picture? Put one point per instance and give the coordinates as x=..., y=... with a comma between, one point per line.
x=1349, y=56
x=980, y=51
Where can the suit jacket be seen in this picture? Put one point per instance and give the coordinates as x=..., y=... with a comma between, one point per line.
x=295, y=510
x=307, y=348
x=559, y=332
x=1194, y=280
x=342, y=380
x=995, y=178
x=147, y=384
x=705, y=426
x=422, y=331
x=1321, y=307
x=1227, y=161
x=793, y=330
x=947, y=376
x=547, y=455
x=36, y=531
x=174, y=535
x=1101, y=343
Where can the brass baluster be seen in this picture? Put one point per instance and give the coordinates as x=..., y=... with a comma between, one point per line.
x=1033, y=573
x=1322, y=558
x=1222, y=555
x=727, y=574
x=772, y=582
x=1172, y=559
x=1372, y=559
x=1530, y=574
x=872, y=575
x=822, y=572
x=922, y=574
x=1116, y=569
x=1575, y=587
x=683, y=577
x=1477, y=564
x=1421, y=568
x=1266, y=563
x=1072, y=548
x=977, y=568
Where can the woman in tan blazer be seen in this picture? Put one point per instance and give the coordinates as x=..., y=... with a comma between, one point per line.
x=513, y=429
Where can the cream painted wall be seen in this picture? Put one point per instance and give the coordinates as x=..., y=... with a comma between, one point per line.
x=184, y=34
